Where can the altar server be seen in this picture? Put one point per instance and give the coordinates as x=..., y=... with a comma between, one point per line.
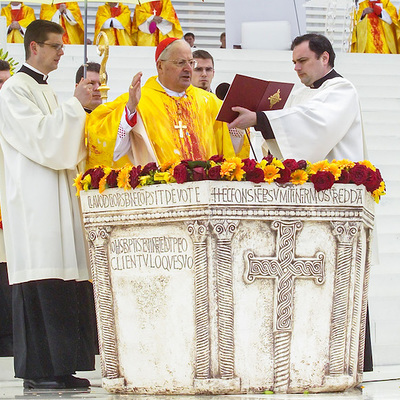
x=41, y=144
x=321, y=120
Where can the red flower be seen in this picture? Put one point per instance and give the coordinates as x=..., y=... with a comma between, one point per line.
x=269, y=158
x=112, y=179
x=148, y=168
x=199, y=174
x=96, y=174
x=87, y=172
x=217, y=159
x=322, y=180
x=373, y=181
x=284, y=175
x=134, y=176
x=344, y=177
x=359, y=174
x=301, y=164
x=181, y=173
x=214, y=173
x=291, y=164
x=249, y=165
x=256, y=175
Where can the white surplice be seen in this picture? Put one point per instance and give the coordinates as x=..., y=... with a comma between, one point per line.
x=318, y=124
x=41, y=142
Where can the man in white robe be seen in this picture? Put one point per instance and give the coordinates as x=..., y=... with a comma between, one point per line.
x=320, y=121
x=41, y=143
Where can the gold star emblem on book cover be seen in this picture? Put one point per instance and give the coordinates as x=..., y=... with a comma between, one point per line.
x=275, y=98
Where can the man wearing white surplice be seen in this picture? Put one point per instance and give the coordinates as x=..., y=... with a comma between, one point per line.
x=41, y=144
x=321, y=121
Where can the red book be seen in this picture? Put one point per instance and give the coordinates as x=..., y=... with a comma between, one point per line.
x=255, y=95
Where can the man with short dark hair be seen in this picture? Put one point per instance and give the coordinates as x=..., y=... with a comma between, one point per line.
x=41, y=143
x=203, y=73
x=5, y=72
x=190, y=38
x=93, y=74
x=322, y=120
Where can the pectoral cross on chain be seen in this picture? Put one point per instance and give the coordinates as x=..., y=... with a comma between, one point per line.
x=181, y=127
x=154, y=12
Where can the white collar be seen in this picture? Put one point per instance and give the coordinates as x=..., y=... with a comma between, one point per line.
x=36, y=70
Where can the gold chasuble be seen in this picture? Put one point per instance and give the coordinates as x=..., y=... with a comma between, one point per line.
x=122, y=13
x=24, y=16
x=143, y=12
x=372, y=34
x=178, y=128
x=74, y=30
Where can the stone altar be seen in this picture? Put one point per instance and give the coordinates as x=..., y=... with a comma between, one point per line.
x=230, y=287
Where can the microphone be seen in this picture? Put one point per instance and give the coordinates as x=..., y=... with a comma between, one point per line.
x=222, y=90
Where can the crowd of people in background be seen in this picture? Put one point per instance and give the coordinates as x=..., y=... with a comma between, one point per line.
x=376, y=24
x=150, y=24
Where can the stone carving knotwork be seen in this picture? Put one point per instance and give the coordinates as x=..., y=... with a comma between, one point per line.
x=345, y=233
x=284, y=268
x=199, y=233
x=98, y=238
x=224, y=230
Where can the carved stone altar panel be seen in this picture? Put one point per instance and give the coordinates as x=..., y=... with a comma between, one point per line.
x=220, y=287
x=152, y=273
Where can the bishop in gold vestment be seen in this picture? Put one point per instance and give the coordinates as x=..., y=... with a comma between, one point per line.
x=153, y=22
x=377, y=29
x=174, y=120
x=17, y=12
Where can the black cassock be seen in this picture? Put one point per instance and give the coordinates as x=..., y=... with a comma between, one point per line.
x=6, y=334
x=54, y=328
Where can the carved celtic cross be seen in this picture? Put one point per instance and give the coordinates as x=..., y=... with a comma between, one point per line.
x=284, y=268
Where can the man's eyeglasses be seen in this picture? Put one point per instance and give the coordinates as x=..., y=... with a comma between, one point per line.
x=181, y=63
x=207, y=70
x=55, y=46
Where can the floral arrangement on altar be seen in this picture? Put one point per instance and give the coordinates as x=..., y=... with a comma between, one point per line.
x=322, y=174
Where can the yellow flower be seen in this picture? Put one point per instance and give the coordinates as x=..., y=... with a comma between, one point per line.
x=334, y=169
x=298, y=177
x=368, y=164
x=144, y=180
x=277, y=163
x=318, y=166
x=261, y=164
x=379, y=192
x=344, y=164
x=103, y=180
x=86, y=182
x=123, y=177
x=162, y=177
x=169, y=164
x=78, y=184
x=270, y=173
x=232, y=169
